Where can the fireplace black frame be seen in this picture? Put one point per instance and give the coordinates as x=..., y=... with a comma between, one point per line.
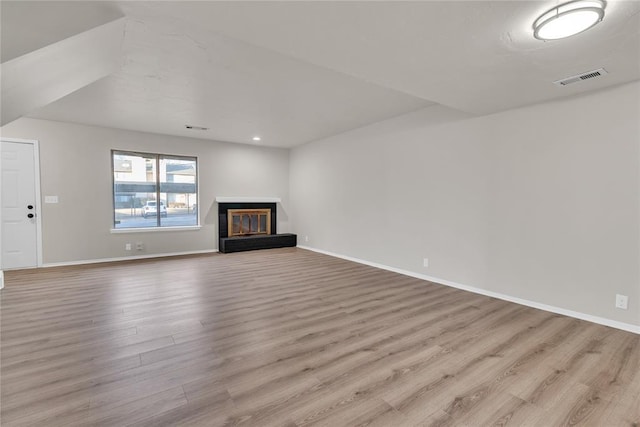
x=228, y=244
x=223, y=209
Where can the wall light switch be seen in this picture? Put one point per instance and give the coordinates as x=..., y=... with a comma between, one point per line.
x=51, y=199
x=425, y=263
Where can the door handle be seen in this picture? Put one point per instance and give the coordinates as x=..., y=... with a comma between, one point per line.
x=30, y=215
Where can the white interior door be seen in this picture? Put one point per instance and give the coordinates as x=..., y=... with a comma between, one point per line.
x=19, y=206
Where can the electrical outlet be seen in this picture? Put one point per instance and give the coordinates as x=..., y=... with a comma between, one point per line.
x=139, y=246
x=622, y=301
x=425, y=263
x=127, y=246
x=306, y=238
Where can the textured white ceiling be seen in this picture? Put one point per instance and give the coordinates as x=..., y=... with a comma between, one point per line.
x=30, y=25
x=293, y=72
x=173, y=75
x=476, y=56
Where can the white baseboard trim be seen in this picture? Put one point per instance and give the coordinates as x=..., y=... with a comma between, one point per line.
x=127, y=258
x=553, y=309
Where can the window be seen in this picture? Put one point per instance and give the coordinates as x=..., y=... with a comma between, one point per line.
x=154, y=190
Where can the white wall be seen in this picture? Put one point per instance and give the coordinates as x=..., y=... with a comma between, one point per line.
x=76, y=166
x=539, y=203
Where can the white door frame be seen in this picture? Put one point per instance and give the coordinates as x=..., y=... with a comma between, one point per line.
x=36, y=160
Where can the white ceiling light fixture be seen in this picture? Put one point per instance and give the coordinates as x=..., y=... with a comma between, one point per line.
x=568, y=19
x=256, y=138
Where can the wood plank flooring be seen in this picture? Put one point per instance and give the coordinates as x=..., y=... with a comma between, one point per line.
x=288, y=337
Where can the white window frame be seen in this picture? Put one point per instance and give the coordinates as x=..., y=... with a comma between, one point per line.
x=157, y=227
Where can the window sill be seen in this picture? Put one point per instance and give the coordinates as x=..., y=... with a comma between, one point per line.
x=155, y=229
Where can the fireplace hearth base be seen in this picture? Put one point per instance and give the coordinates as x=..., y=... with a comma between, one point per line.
x=250, y=243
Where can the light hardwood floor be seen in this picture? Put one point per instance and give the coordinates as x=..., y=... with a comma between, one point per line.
x=289, y=337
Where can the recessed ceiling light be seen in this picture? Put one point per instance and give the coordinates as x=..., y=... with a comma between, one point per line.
x=568, y=19
x=195, y=127
x=256, y=138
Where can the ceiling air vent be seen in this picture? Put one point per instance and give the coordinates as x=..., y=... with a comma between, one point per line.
x=580, y=77
x=195, y=127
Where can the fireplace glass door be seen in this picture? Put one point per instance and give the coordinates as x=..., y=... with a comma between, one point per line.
x=248, y=222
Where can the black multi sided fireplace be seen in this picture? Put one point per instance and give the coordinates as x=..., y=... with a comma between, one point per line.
x=245, y=226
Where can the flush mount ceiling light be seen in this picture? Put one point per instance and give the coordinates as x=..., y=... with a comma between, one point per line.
x=568, y=19
x=256, y=138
